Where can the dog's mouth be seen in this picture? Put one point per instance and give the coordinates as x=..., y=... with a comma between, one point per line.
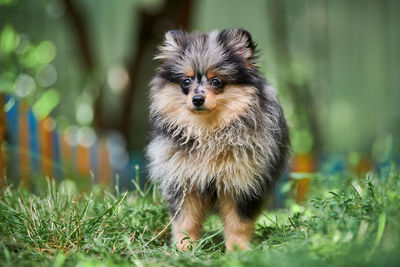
x=199, y=110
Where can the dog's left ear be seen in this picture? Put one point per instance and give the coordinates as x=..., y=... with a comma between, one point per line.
x=239, y=41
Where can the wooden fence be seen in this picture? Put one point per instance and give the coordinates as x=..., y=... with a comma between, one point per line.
x=37, y=147
x=30, y=147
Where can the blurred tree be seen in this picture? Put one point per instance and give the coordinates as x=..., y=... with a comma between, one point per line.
x=79, y=24
x=174, y=14
x=152, y=25
x=299, y=91
x=335, y=63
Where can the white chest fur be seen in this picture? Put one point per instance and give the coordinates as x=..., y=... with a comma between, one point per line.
x=231, y=165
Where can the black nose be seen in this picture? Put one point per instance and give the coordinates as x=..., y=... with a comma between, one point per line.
x=198, y=100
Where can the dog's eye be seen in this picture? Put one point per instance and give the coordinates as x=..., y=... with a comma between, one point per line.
x=216, y=83
x=186, y=83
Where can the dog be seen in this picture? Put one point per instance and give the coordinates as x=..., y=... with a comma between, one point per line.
x=220, y=141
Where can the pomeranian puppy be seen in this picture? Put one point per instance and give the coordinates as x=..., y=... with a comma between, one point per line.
x=220, y=139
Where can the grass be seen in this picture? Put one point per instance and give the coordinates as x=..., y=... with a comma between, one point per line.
x=348, y=221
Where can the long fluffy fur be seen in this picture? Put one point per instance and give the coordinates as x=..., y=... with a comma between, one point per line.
x=241, y=147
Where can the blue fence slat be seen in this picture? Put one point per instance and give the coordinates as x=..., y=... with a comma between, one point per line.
x=12, y=121
x=13, y=136
x=34, y=141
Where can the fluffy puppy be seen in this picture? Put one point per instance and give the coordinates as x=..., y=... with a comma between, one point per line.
x=218, y=128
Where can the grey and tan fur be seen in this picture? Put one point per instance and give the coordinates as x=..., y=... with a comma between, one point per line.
x=218, y=126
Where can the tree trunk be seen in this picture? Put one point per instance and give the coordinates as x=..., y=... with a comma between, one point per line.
x=300, y=94
x=151, y=30
x=79, y=26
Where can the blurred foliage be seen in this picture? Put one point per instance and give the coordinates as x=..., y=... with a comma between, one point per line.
x=7, y=2
x=334, y=63
x=26, y=71
x=46, y=103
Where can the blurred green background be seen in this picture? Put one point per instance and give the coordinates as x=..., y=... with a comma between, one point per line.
x=88, y=63
x=77, y=71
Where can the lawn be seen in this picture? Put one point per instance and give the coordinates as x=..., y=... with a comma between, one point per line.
x=347, y=221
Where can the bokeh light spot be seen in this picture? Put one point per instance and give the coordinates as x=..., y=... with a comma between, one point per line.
x=86, y=136
x=24, y=85
x=46, y=75
x=84, y=113
x=24, y=44
x=71, y=135
x=46, y=103
x=45, y=52
x=9, y=40
x=118, y=79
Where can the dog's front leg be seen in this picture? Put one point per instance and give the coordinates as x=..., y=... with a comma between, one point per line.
x=238, y=231
x=190, y=220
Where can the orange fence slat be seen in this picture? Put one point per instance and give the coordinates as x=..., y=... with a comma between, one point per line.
x=83, y=160
x=303, y=163
x=105, y=171
x=65, y=151
x=45, y=128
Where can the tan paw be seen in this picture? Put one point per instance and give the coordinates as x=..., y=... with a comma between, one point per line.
x=236, y=244
x=184, y=244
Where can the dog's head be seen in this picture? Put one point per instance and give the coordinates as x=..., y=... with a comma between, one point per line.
x=205, y=75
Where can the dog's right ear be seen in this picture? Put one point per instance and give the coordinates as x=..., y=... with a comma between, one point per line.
x=172, y=45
